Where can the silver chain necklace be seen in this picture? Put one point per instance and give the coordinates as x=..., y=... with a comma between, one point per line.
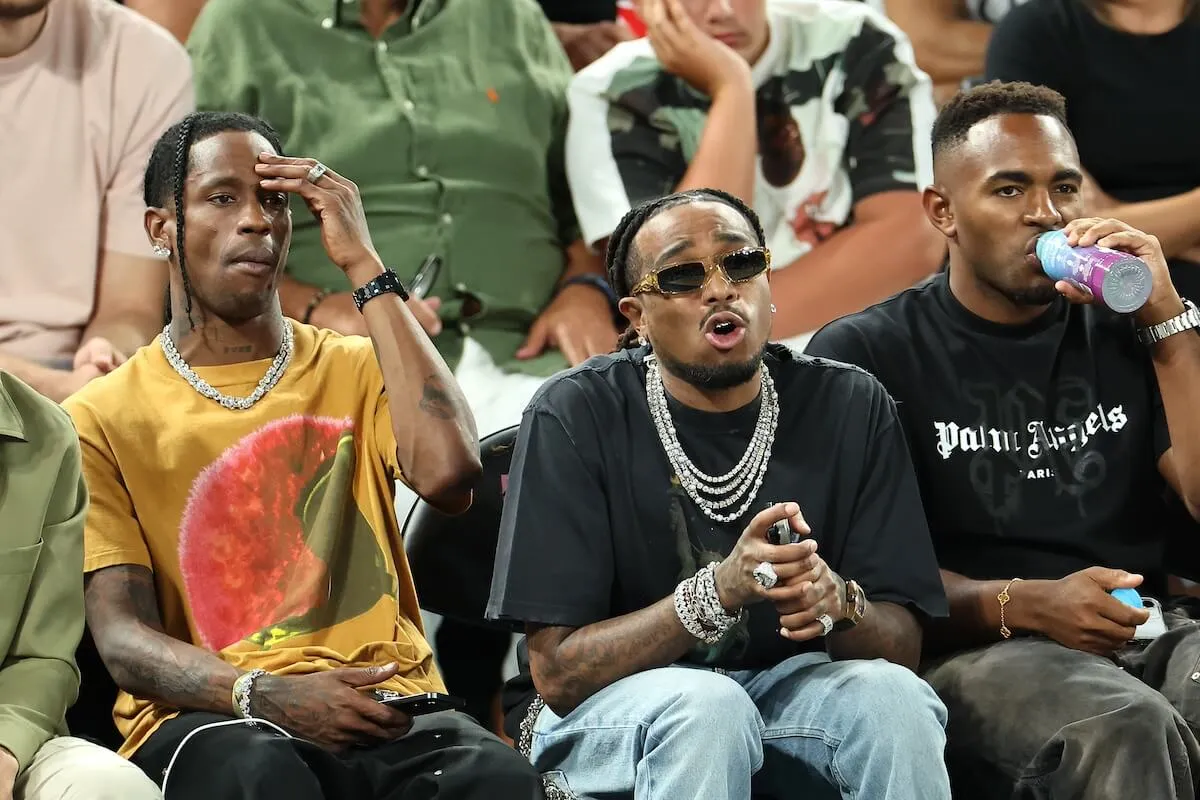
x=274, y=372
x=714, y=493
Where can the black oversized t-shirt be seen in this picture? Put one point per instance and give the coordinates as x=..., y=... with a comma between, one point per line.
x=595, y=526
x=1036, y=446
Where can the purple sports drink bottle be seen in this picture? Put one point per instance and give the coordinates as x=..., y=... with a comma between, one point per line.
x=1118, y=280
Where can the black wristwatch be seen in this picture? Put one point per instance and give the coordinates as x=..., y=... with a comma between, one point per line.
x=381, y=284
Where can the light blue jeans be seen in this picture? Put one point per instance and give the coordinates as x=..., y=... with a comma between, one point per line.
x=807, y=729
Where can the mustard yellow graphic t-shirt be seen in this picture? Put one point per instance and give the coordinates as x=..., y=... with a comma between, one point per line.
x=271, y=532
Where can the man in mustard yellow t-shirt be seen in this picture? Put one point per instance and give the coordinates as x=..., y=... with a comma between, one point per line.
x=242, y=553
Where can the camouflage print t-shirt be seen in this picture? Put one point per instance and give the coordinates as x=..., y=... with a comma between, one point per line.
x=843, y=113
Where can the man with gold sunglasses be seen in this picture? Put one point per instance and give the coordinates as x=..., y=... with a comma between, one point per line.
x=717, y=548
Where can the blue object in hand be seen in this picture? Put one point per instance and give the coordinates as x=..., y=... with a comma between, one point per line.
x=1129, y=597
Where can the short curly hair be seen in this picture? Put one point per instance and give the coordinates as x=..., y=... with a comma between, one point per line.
x=967, y=109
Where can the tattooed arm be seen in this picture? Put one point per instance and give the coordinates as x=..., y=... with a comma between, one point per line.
x=569, y=665
x=436, y=442
x=887, y=631
x=122, y=613
x=330, y=708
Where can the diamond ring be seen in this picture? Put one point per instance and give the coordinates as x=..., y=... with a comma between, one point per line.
x=764, y=573
x=826, y=624
x=316, y=172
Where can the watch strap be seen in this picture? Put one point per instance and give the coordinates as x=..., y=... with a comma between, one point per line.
x=856, y=607
x=1188, y=320
x=386, y=282
x=601, y=285
x=595, y=281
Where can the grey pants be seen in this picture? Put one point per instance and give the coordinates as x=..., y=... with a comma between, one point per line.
x=1031, y=719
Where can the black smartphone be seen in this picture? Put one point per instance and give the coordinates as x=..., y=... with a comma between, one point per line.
x=781, y=532
x=416, y=704
x=426, y=276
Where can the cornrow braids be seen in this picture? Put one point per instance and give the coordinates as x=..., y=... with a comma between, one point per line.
x=183, y=147
x=167, y=171
x=623, y=270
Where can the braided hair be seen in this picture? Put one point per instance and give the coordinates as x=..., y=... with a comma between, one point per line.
x=166, y=174
x=624, y=269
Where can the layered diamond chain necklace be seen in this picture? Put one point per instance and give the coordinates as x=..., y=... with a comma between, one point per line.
x=713, y=494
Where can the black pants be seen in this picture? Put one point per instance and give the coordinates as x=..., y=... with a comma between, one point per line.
x=471, y=658
x=1030, y=719
x=444, y=756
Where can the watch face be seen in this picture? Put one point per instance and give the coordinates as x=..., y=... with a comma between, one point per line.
x=855, y=601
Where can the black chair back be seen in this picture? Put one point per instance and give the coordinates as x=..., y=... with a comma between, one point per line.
x=452, y=557
x=91, y=716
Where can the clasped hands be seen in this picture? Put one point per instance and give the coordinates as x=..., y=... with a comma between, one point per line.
x=807, y=588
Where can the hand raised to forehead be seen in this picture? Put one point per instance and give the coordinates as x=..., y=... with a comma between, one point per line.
x=332, y=199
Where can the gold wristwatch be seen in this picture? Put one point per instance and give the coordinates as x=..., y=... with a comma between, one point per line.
x=856, y=607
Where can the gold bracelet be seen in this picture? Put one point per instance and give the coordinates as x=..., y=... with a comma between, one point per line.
x=1004, y=599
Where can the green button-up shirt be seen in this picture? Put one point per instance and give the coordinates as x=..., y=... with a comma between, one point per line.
x=452, y=125
x=43, y=502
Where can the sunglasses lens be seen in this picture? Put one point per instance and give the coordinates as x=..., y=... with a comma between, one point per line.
x=681, y=278
x=745, y=264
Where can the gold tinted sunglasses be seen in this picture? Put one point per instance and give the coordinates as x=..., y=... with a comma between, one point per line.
x=736, y=267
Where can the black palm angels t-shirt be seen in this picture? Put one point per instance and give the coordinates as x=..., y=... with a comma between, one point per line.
x=595, y=525
x=1036, y=446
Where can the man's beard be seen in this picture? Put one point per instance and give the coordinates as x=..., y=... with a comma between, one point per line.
x=713, y=377
x=1015, y=284
x=1035, y=296
x=19, y=9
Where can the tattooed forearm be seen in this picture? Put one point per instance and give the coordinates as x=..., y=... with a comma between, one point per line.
x=887, y=631
x=123, y=614
x=435, y=400
x=570, y=665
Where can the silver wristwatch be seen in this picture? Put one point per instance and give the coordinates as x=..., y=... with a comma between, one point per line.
x=1189, y=319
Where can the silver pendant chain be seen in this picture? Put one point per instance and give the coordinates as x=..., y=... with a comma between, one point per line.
x=274, y=372
x=714, y=493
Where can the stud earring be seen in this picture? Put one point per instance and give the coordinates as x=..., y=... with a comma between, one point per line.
x=162, y=252
x=772, y=308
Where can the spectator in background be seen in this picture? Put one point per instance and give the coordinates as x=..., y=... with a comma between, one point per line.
x=812, y=109
x=86, y=86
x=950, y=37
x=452, y=117
x=177, y=16
x=1044, y=436
x=41, y=611
x=1130, y=73
x=587, y=29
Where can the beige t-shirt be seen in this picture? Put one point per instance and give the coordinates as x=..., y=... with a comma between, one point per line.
x=80, y=110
